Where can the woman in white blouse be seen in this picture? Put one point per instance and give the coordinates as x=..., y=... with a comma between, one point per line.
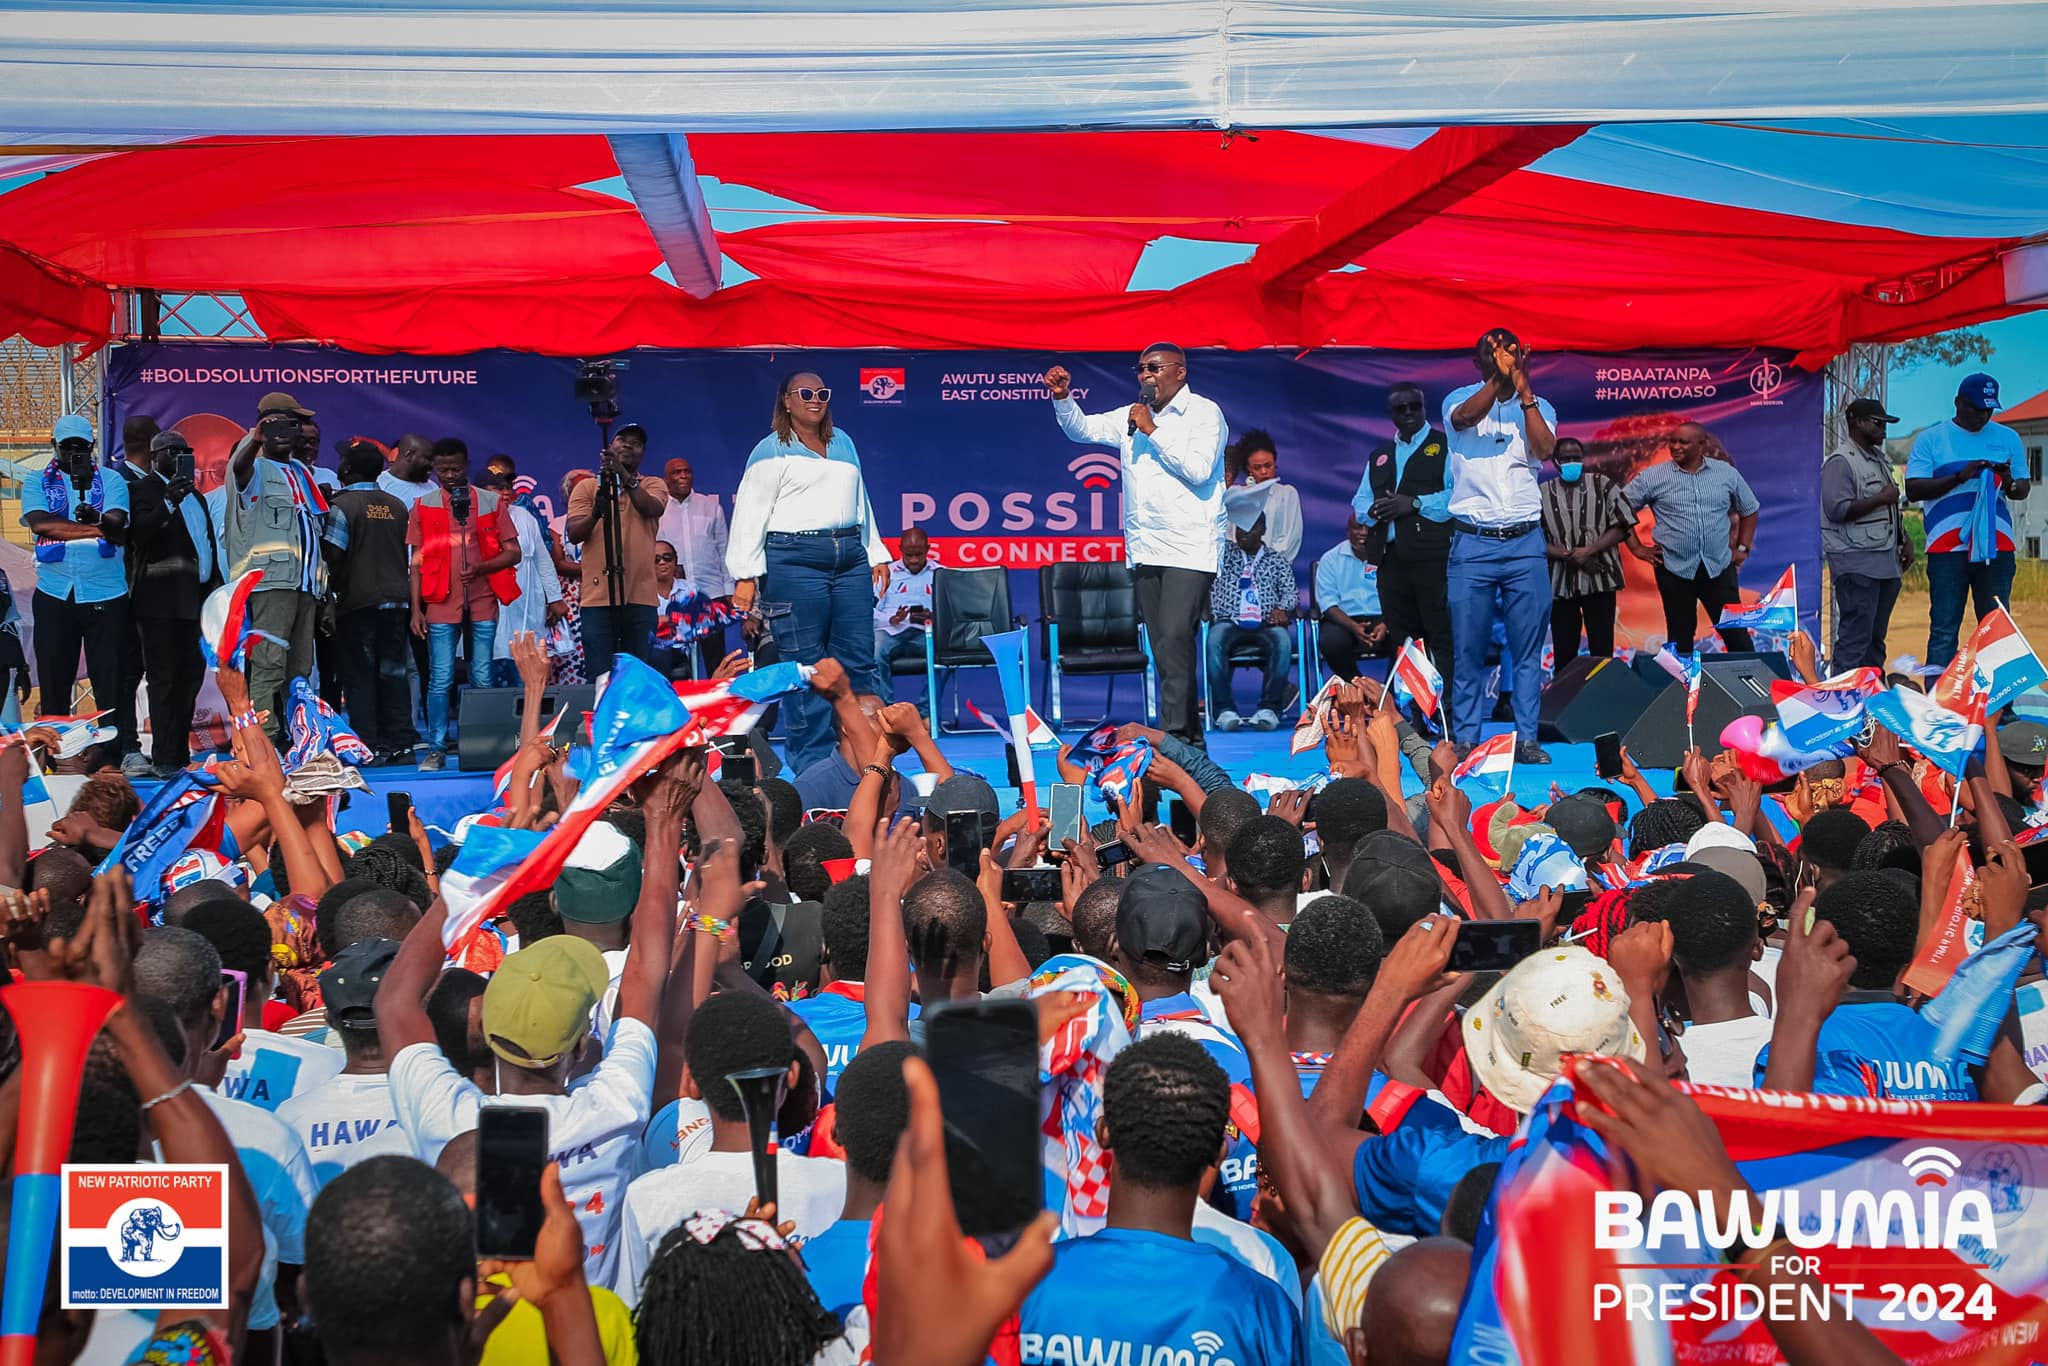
x=806, y=553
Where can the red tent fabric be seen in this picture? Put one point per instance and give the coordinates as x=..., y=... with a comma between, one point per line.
x=1008, y=240
x=50, y=306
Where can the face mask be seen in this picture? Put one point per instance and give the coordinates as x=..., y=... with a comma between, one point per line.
x=1570, y=471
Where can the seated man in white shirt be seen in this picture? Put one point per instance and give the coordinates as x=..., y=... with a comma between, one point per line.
x=1348, y=596
x=1252, y=601
x=903, y=617
x=734, y=1031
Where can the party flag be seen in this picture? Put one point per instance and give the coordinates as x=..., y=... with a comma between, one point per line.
x=1035, y=729
x=224, y=629
x=1491, y=763
x=1816, y=715
x=1945, y=737
x=1007, y=649
x=1777, y=610
x=1419, y=678
x=1967, y=1015
x=1944, y=949
x=2006, y=665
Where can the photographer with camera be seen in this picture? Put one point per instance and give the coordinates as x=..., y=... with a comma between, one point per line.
x=81, y=583
x=276, y=517
x=173, y=564
x=464, y=548
x=618, y=607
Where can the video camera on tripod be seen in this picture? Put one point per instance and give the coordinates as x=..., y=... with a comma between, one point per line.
x=597, y=385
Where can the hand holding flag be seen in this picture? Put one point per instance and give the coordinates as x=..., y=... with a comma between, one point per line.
x=1417, y=676
x=1490, y=766
x=1948, y=739
x=1776, y=611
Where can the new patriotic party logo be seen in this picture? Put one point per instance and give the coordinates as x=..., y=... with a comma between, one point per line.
x=882, y=385
x=145, y=1236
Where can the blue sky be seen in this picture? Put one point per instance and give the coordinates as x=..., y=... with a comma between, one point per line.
x=1926, y=393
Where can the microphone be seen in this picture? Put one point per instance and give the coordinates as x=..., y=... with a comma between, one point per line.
x=1147, y=391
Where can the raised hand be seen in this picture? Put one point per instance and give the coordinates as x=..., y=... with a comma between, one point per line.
x=1059, y=381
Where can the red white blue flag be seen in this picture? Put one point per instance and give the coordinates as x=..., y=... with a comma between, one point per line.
x=224, y=629
x=1816, y=715
x=1491, y=765
x=1947, y=738
x=1776, y=611
x=1417, y=677
x=2006, y=665
x=1574, y=1265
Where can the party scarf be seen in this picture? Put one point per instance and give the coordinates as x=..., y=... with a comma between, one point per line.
x=1114, y=767
x=57, y=493
x=1071, y=1067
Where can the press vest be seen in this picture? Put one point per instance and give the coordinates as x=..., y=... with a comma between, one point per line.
x=263, y=528
x=1416, y=537
x=437, y=554
x=1874, y=530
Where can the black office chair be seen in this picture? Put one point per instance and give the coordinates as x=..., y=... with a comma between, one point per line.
x=967, y=604
x=1090, y=627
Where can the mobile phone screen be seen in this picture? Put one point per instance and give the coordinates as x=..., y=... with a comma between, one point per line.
x=738, y=761
x=1110, y=854
x=511, y=1152
x=1031, y=884
x=1494, y=945
x=984, y=1055
x=400, y=804
x=966, y=837
x=237, y=984
x=1064, y=822
x=1180, y=818
x=1607, y=755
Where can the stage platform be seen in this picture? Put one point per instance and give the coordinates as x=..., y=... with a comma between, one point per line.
x=445, y=797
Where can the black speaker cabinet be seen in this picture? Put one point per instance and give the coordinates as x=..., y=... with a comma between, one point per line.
x=1592, y=696
x=1728, y=688
x=490, y=721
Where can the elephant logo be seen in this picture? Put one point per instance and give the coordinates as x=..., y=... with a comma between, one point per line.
x=140, y=1230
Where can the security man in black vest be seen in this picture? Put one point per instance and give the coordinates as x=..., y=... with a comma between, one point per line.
x=1403, y=496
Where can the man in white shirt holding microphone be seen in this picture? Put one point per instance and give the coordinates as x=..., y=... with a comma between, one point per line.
x=1171, y=441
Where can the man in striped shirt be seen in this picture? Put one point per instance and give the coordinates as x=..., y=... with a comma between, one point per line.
x=1585, y=520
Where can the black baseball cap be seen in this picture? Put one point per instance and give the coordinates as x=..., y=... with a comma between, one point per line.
x=1162, y=916
x=1867, y=408
x=625, y=427
x=1583, y=824
x=959, y=794
x=348, y=989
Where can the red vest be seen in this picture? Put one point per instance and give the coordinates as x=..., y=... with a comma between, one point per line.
x=437, y=551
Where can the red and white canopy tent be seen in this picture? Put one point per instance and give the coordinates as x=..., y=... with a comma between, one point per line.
x=456, y=224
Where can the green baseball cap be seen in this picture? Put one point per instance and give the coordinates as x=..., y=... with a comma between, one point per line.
x=601, y=880
x=537, y=1005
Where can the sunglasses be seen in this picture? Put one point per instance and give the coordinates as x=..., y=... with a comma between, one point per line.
x=664, y=559
x=1151, y=367
x=814, y=395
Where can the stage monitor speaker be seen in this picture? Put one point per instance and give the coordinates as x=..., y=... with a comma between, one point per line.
x=490, y=721
x=1591, y=696
x=1728, y=688
x=1774, y=660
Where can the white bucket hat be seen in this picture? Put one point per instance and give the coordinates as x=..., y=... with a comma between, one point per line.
x=1559, y=1001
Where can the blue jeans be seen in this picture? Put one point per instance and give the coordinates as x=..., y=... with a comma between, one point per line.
x=888, y=649
x=441, y=670
x=1950, y=579
x=1275, y=645
x=818, y=599
x=1518, y=571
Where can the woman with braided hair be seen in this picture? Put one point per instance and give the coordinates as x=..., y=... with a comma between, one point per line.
x=727, y=1288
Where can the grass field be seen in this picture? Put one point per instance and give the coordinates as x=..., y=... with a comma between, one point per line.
x=1908, y=634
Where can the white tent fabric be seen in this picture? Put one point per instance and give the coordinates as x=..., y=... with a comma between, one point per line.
x=85, y=70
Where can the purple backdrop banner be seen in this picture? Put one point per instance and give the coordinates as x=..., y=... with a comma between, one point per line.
x=964, y=443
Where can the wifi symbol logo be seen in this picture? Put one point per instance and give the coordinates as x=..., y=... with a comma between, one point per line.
x=1207, y=1343
x=1932, y=1166
x=1096, y=469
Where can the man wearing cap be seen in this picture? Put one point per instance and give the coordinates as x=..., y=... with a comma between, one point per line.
x=276, y=518
x=1251, y=603
x=349, y=1117
x=594, y=894
x=1860, y=530
x=2024, y=747
x=623, y=628
x=1171, y=442
x=1499, y=433
x=80, y=518
x=1962, y=472
x=173, y=563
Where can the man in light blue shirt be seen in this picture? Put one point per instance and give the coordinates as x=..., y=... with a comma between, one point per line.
x=1697, y=555
x=1348, y=597
x=79, y=514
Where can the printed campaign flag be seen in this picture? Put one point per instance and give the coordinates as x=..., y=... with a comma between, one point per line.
x=314, y=728
x=1777, y=610
x=1491, y=765
x=1561, y=1276
x=1418, y=677
x=182, y=817
x=1816, y=715
x=1007, y=649
x=1692, y=690
x=1943, y=951
x=1956, y=688
x=2006, y=665
x=1667, y=659
x=1945, y=737
x=1774, y=745
x=145, y=1237
x=1035, y=729
x=640, y=720
x=224, y=629
x=1114, y=767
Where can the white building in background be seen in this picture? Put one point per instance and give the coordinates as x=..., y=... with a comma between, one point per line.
x=2030, y=518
